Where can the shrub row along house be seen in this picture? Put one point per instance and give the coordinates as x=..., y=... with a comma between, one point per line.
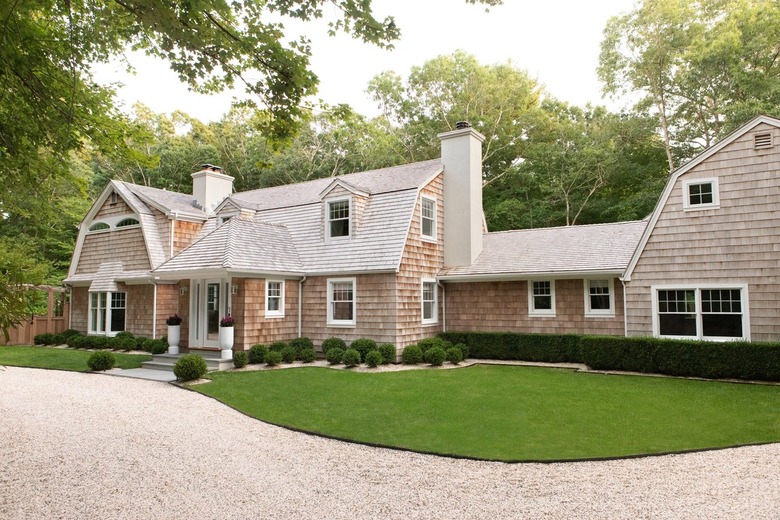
x=402, y=253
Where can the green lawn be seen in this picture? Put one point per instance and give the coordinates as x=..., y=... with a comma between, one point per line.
x=507, y=413
x=61, y=359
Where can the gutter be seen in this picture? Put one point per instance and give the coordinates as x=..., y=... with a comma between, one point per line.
x=443, y=305
x=154, y=312
x=300, y=306
x=528, y=276
x=625, y=308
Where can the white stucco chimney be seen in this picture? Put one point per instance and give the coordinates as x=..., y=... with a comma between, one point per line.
x=210, y=186
x=461, y=155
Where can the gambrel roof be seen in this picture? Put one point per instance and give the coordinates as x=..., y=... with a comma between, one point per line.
x=595, y=249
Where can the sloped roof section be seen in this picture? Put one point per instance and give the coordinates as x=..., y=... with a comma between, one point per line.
x=240, y=244
x=167, y=201
x=572, y=250
x=384, y=180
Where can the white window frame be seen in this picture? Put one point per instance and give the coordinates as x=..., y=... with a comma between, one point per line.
x=745, y=303
x=92, y=328
x=434, y=319
x=434, y=218
x=532, y=310
x=328, y=202
x=599, y=313
x=277, y=313
x=332, y=322
x=224, y=217
x=687, y=206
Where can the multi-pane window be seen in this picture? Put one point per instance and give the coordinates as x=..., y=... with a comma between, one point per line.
x=429, y=302
x=701, y=194
x=341, y=302
x=274, y=300
x=127, y=222
x=541, y=297
x=338, y=218
x=428, y=217
x=599, y=298
x=107, y=312
x=701, y=313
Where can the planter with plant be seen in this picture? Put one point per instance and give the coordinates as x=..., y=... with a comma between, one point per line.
x=174, y=333
x=226, y=336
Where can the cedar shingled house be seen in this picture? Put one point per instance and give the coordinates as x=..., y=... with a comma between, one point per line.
x=402, y=253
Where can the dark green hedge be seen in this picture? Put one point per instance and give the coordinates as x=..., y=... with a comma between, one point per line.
x=551, y=348
x=722, y=360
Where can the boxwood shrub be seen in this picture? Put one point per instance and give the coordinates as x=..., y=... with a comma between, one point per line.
x=101, y=360
x=363, y=346
x=273, y=358
x=308, y=355
x=334, y=355
x=278, y=346
x=301, y=344
x=388, y=353
x=190, y=367
x=454, y=355
x=435, y=356
x=155, y=346
x=429, y=343
x=373, y=358
x=70, y=332
x=257, y=354
x=239, y=359
x=333, y=343
x=351, y=358
x=48, y=338
x=288, y=354
x=411, y=355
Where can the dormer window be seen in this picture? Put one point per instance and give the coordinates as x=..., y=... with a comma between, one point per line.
x=428, y=218
x=114, y=197
x=338, y=218
x=700, y=194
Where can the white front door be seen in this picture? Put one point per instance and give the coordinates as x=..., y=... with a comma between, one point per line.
x=209, y=305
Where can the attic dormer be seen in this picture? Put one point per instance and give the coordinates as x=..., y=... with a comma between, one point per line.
x=342, y=210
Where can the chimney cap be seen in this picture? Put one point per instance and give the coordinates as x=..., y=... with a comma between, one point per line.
x=462, y=124
x=211, y=167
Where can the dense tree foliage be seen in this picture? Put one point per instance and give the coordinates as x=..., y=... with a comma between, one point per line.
x=702, y=67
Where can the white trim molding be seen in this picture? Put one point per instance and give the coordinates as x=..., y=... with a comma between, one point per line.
x=713, y=195
x=543, y=291
x=343, y=292
x=279, y=286
x=598, y=289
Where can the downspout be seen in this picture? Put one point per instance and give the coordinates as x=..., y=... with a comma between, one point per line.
x=173, y=221
x=300, y=306
x=154, y=313
x=625, y=315
x=443, y=305
x=70, y=306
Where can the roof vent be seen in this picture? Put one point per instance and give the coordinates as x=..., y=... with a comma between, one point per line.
x=762, y=141
x=462, y=124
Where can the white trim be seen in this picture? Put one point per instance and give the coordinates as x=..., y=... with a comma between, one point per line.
x=350, y=220
x=278, y=313
x=91, y=328
x=434, y=237
x=686, y=194
x=331, y=322
x=599, y=313
x=343, y=184
x=435, y=318
x=560, y=275
x=675, y=175
x=697, y=288
x=541, y=312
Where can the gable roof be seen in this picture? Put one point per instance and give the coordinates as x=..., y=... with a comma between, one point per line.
x=384, y=180
x=682, y=170
x=559, y=251
x=168, y=202
x=240, y=245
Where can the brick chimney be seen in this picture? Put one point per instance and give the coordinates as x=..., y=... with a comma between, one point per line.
x=210, y=186
x=461, y=155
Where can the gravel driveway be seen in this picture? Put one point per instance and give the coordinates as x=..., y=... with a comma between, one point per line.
x=92, y=446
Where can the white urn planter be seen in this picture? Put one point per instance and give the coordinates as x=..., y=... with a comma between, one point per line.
x=226, y=338
x=174, y=336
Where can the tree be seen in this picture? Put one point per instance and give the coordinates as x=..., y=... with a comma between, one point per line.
x=19, y=266
x=498, y=101
x=702, y=67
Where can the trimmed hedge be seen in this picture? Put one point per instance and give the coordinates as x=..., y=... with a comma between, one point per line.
x=334, y=355
x=190, y=367
x=351, y=358
x=550, y=348
x=48, y=338
x=101, y=360
x=257, y=354
x=239, y=359
x=333, y=343
x=706, y=359
x=301, y=344
x=373, y=358
x=388, y=353
x=363, y=346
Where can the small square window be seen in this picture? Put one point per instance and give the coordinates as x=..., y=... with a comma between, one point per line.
x=599, y=298
x=700, y=194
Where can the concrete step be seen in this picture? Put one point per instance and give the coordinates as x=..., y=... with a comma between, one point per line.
x=166, y=362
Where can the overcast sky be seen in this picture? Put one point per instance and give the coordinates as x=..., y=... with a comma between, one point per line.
x=556, y=41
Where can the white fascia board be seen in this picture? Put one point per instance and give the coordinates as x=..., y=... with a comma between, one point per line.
x=559, y=275
x=223, y=273
x=679, y=172
x=350, y=273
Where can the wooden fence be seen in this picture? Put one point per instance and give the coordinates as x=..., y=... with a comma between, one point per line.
x=55, y=320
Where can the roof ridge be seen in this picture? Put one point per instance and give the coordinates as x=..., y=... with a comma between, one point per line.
x=576, y=226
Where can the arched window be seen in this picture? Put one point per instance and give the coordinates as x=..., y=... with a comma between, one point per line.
x=127, y=222
x=99, y=226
